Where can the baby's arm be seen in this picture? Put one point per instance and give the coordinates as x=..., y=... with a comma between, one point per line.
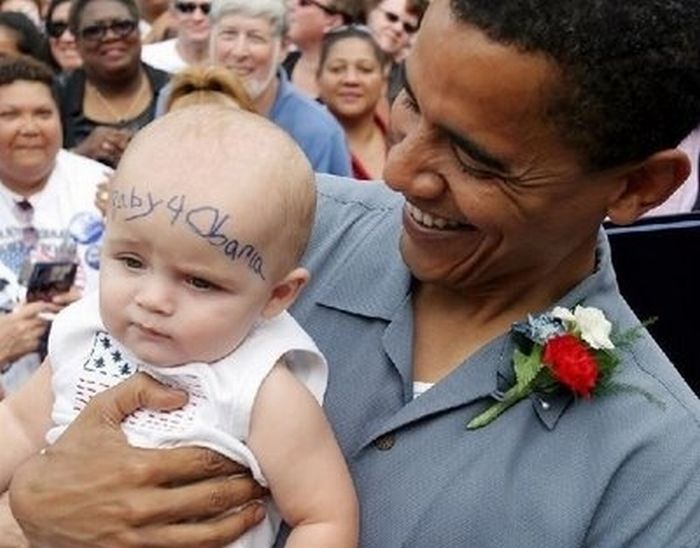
x=300, y=458
x=25, y=417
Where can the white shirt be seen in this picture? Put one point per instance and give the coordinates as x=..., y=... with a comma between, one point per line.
x=86, y=360
x=68, y=195
x=683, y=199
x=164, y=56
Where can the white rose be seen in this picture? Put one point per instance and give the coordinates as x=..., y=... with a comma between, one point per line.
x=590, y=322
x=594, y=326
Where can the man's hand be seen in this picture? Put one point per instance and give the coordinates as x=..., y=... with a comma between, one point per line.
x=92, y=489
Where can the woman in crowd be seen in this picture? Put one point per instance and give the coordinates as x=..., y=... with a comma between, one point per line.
x=114, y=93
x=352, y=80
x=308, y=21
x=46, y=204
x=394, y=24
x=18, y=35
x=62, y=47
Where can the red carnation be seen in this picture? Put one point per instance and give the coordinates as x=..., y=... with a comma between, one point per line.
x=571, y=363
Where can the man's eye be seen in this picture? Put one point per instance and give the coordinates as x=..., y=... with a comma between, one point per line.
x=477, y=173
x=407, y=101
x=257, y=39
x=466, y=167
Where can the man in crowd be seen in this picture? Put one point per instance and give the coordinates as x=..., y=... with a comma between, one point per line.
x=191, y=46
x=248, y=37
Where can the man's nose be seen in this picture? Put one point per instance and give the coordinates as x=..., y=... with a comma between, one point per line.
x=241, y=46
x=409, y=165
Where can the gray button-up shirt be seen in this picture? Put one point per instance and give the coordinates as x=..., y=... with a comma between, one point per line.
x=613, y=471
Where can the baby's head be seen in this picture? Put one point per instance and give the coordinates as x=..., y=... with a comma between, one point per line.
x=211, y=209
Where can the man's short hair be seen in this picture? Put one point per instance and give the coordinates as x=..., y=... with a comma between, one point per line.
x=630, y=70
x=274, y=11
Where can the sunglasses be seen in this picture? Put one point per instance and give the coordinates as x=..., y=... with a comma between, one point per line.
x=55, y=29
x=121, y=28
x=327, y=9
x=190, y=7
x=394, y=18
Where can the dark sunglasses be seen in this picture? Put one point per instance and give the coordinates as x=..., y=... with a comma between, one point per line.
x=327, y=9
x=190, y=7
x=55, y=29
x=121, y=28
x=394, y=18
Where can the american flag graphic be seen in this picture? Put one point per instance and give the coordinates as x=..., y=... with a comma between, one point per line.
x=108, y=364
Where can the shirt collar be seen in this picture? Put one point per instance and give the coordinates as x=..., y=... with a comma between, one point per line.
x=378, y=288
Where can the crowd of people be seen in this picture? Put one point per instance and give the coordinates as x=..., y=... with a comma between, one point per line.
x=443, y=305
x=313, y=68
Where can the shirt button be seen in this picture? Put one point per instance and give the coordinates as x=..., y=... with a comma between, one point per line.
x=385, y=442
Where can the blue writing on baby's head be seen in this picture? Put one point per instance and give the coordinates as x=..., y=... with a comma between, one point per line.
x=206, y=221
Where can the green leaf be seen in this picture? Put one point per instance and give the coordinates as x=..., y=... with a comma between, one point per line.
x=626, y=338
x=511, y=397
x=527, y=366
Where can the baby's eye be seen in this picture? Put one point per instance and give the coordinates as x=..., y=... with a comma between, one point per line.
x=201, y=284
x=132, y=263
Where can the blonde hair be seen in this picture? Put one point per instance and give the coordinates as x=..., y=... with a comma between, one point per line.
x=207, y=85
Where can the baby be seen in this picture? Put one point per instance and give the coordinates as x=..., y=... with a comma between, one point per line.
x=210, y=211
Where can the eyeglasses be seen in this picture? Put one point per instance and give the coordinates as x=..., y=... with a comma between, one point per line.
x=393, y=18
x=55, y=29
x=327, y=9
x=190, y=7
x=121, y=28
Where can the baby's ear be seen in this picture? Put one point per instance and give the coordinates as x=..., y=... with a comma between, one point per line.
x=285, y=292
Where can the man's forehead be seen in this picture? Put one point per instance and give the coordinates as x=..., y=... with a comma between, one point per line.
x=241, y=21
x=488, y=99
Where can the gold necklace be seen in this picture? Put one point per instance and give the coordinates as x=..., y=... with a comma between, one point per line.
x=117, y=116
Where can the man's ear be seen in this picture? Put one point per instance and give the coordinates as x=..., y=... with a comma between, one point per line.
x=285, y=292
x=332, y=22
x=649, y=184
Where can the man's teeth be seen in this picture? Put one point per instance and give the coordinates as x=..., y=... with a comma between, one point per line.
x=430, y=221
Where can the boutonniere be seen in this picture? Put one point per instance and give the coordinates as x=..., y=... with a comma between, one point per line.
x=572, y=349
